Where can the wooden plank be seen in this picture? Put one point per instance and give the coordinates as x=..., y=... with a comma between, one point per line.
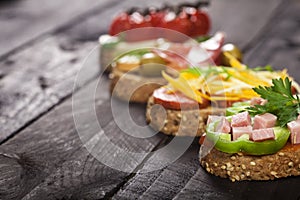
x=280, y=45
x=242, y=20
x=205, y=186
x=52, y=161
x=36, y=79
x=23, y=21
x=164, y=183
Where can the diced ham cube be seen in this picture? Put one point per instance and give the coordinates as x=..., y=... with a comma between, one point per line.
x=258, y=101
x=266, y=120
x=223, y=126
x=213, y=118
x=294, y=127
x=239, y=131
x=241, y=119
x=262, y=135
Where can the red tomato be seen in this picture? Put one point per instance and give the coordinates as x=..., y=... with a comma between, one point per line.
x=202, y=139
x=176, y=101
x=200, y=23
x=156, y=17
x=125, y=22
x=139, y=21
x=180, y=23
x=120, y=23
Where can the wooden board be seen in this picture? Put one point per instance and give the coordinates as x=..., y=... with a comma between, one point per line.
x=46, y=160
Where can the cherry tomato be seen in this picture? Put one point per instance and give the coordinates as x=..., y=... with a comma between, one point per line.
x=139, y=21
x=120, y=23
x=124, y=22
x=200, y=23
x=180, y=23
x=156, y=17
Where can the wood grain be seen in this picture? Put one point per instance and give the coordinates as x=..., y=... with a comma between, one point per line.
x=46, y=160
x=57, y=163
x=242, y=21
x=280, y=45
x=36, y=79
x=24, y=21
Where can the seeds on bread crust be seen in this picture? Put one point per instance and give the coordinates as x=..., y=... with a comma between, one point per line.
x=284, y=163
x=186, y=120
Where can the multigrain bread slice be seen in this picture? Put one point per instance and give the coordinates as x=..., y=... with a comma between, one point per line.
x=179, y=122
x=133, y=87
x=238, y=167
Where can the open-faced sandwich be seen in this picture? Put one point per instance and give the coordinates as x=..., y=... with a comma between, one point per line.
x=199, y=92
x=257, y=140
x=136, y=74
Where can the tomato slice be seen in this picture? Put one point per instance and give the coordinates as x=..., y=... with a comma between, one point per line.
x=177, y=100
x=202, y=138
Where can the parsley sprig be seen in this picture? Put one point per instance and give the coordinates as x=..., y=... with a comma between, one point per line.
x=281, y=101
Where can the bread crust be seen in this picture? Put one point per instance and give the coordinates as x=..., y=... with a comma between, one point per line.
x=179, y=123
x=239, y=167
x=132, y=87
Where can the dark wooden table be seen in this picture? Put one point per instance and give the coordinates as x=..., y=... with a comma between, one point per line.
x=43, y=44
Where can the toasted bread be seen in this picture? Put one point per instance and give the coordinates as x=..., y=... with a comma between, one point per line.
x=133, y=87
x=238, y=167
x=179, y=122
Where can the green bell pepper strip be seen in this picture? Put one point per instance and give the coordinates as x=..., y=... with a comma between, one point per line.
x=244, y=145
x=237, y=107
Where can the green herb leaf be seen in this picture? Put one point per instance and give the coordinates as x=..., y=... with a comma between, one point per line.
x=265, y=68
x=202, y=38
x=281, y=101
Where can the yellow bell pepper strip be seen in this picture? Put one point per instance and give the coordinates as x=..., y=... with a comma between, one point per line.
x=234, y=62
x=222, y=83
x=182, y=85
